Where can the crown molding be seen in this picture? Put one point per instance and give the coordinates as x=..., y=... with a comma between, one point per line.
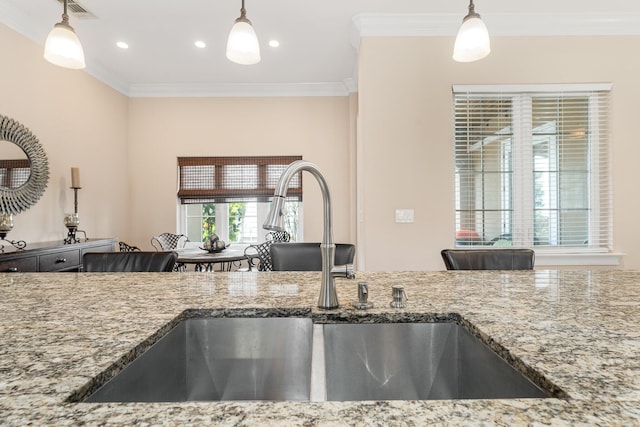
x=363, y=25
x=238, y=90
x=19, y=22
x=16, y=20
x=574, y=24
x=106, y=76
x=499, y=24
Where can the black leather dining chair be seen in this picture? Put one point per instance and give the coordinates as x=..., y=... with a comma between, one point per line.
x=305, y=256
x=136, y=261
x=488, y=259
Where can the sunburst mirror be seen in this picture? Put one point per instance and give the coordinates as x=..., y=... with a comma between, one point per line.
x=24, y=168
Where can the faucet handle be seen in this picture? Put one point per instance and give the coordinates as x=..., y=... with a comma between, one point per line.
x=344, y=271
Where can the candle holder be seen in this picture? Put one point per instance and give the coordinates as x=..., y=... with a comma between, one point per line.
x=6, y=225
x=72, y=221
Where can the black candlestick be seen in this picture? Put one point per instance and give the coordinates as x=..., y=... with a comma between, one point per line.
x=75, y=199
x=71, y=221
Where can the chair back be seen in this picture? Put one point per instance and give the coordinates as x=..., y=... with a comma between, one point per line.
x=124, y=247
x=488, y=259
x=261, y=252
x=135, y=261
x=307, y=256
x=258, y=256
x=168, y=241
x=277, y=236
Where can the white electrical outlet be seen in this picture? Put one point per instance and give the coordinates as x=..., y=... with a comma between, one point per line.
x=404, y=215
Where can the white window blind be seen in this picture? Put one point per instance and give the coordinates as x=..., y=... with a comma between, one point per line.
x=532, y=166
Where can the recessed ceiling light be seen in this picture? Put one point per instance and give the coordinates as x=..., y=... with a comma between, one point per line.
x=200, y=44
x=274, y=43
x=122, y=45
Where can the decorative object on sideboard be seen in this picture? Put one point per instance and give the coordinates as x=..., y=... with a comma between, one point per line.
x=6, y=224
x=72, y=221
x=24, y=173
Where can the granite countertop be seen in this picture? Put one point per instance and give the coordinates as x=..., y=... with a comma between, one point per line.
x=578, y=329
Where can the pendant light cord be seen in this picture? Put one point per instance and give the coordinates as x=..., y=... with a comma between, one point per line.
x=472, y=12
x=65, y=16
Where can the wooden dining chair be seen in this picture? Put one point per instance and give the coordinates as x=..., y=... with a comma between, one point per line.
x=488, y=259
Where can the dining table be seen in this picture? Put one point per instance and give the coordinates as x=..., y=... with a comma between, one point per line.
x=228, y=259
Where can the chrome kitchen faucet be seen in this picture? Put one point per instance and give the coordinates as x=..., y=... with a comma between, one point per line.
x=328, y=298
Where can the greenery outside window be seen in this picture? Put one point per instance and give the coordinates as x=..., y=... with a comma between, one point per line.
x=532, y=166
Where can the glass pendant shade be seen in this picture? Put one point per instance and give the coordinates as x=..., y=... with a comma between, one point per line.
x=242, y=45
x=472, y=42
x=63, y=47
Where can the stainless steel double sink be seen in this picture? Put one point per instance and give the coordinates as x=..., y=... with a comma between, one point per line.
x=291, y=358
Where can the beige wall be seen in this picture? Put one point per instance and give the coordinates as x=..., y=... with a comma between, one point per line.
x=406, y=133
x=79, y=122
x=127, y=148
x=163, y=129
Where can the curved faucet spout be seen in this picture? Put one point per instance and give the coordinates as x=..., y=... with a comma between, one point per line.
x=328, y=298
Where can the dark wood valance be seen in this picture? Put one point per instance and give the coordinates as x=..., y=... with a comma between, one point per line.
x=234, y=179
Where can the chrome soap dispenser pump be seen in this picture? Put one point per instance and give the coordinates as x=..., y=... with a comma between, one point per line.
x=399, y=296
x=363, y=295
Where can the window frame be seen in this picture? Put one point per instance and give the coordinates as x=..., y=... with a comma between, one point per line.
x=224, y=180
x=557, y=255
x=222, y=215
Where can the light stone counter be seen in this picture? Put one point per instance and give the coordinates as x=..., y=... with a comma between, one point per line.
x=577, y=329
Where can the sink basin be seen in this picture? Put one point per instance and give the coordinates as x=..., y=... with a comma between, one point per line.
x=287, y=358
x=408, y=361
x=219, y=359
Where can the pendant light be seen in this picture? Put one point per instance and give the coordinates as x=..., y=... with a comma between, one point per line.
x=242, y=45
x=472, y=41
x=63, y=47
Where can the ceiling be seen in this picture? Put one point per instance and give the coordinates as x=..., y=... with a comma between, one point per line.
x=318, y=38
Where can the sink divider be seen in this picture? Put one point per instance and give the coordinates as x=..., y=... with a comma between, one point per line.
x=318, y=389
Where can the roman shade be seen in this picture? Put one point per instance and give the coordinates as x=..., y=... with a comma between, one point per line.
x=234, y=179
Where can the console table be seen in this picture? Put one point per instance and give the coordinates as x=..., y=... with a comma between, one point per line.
x=52, y=256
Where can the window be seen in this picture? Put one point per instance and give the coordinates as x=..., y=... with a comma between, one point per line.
x=230, y=196
x=14, y=173
x=532, y=166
